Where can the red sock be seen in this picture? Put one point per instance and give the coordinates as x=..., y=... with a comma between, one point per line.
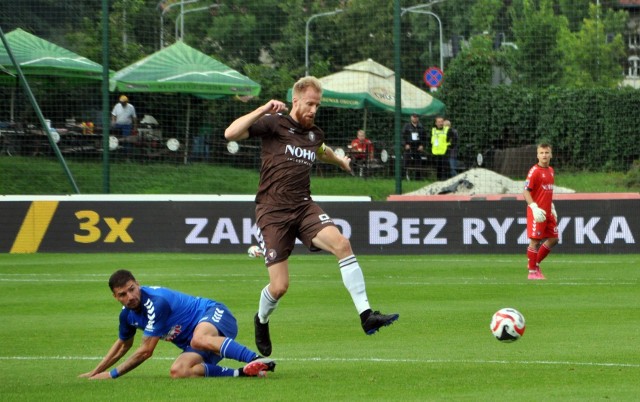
x=532, y=256
x=543, y=252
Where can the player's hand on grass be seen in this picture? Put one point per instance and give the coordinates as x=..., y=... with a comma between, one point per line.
x=105, y=375
x=539, y=215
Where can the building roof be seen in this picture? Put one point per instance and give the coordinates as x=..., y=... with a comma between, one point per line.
x=629, y=3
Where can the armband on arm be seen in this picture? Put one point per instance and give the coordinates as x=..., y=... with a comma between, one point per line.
x=321, y=149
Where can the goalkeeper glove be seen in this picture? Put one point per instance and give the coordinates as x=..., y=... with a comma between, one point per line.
x=553, y=212
x=538, y=213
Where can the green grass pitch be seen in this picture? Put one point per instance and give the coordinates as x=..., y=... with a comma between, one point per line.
x=581, y=342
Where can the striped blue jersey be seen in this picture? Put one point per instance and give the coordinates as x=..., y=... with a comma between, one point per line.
x=165, y=313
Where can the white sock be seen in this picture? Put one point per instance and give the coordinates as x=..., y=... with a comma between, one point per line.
x=354, y=282
x=267, y=305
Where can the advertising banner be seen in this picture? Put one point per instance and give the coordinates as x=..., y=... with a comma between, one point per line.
x=586, y=226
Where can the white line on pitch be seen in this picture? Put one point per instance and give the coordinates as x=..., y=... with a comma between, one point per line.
x=376, y=360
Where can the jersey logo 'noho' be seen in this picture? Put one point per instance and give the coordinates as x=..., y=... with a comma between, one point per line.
x=300, y=153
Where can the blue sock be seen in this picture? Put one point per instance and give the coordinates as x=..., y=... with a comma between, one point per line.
x=231, y=349
x=213, y=370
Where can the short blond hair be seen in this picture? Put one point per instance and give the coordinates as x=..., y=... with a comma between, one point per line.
x=307, y=82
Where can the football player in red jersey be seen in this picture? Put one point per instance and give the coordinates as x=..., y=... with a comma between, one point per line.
x=542, y=220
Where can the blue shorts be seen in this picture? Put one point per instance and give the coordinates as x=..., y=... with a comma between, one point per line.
x=221, y=318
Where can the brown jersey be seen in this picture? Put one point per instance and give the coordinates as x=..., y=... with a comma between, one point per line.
x=288, y=154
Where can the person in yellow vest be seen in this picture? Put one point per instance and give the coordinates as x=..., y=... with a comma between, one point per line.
x=439, y=148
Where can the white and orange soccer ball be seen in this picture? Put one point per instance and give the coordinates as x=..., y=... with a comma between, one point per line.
x=507, y=325
x=254, y=252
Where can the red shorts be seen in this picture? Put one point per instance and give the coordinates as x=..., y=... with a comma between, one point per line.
x=541, y=230
x=279, y=227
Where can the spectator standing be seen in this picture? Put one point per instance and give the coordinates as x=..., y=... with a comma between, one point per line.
x=453, y=139
x=415, y=138
x=439, y=147
x=123, y=117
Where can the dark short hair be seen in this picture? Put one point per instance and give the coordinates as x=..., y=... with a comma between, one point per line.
x=545, y=145
x=120, y=278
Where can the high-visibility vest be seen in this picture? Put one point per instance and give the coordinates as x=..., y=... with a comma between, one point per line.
x=439, y=142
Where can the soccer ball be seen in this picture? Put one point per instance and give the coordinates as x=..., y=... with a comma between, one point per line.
x=507, y=325
x=254, y=252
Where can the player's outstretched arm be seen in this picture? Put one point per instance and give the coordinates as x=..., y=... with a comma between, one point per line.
x=328, y=156
x=119, y=349
x=144, y=352
x=239, y=129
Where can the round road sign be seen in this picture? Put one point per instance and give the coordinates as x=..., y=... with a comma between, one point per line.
x=433, y=77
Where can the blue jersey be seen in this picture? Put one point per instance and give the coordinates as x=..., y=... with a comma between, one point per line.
x=164, y=313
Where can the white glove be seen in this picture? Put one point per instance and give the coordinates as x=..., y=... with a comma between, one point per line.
x=538, y=213
x=553, y=212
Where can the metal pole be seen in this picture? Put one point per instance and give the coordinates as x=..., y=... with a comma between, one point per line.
x=416, y=9
x=164, y=10
x=398, y=95
x=36, y=108
x=181, y=17
x=106, y=118
x=306, y=37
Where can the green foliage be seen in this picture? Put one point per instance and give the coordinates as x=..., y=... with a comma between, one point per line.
x=440, y=348
x=593, y=132
x=484, y=14
x=575, y=11
x=473, y=69
x=589, y=59
x=536, y=30
x=632, y=177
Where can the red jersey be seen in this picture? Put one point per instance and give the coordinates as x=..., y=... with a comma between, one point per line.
x=360, y=148
x=539, y=183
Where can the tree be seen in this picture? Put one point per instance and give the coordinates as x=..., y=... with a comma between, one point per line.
x=472, y=70
x=591, y=57
x=484, y=14
x=536, y=30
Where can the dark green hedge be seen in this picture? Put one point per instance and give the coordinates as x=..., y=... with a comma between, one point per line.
x=590, y=129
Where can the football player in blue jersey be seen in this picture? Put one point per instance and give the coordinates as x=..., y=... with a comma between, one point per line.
x=204, y=329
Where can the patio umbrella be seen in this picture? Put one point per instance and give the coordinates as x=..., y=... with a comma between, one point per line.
x=180, y=68
x=37, y=56
x=42, y=59
x=370, y=84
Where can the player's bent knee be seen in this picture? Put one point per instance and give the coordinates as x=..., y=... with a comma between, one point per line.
x=343, y=246
x=278, y=290
x=180, y=371
x=203, y=343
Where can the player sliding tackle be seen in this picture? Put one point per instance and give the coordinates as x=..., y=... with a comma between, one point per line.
x=204, y=329
x=285, y=210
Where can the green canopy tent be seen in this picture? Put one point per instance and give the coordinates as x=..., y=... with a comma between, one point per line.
x=42, y=59
x=180, y=68
x=368, y=84
x=37, y=56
